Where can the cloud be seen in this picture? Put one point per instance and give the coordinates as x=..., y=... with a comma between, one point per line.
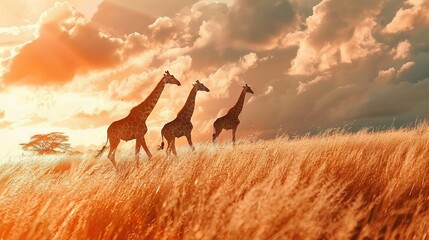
x=267, y=92
x=224, y=76
x=152, y=7
x=385, y=76
x=260, y=22
x=206, y=33
x=405, y=100
x=345, y=93
x=14, y=35
x=67, y=45
x=117, y=18
x=21, y=12
x=163, y=29
x=402, y=50
x=407, y=66
x=135, y=86
x=302, y=87
x=35, y=119
x=84, y=120
x=134, y=44
x=337, y=32
x=414, y=14
x=5, y=124
x=207, y=22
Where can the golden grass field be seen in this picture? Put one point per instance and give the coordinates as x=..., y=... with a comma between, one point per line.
x=336, y=185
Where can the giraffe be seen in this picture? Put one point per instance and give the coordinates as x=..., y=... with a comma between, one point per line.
x=134, y=126
x=182, y=126
x=230, y=120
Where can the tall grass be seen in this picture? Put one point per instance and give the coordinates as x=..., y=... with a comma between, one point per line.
x=331, y=186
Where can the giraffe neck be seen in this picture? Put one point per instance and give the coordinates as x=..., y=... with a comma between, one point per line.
x=188, y=109
x=145, y=108
x=236, y=110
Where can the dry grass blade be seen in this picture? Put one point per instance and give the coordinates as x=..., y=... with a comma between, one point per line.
x=332, y=186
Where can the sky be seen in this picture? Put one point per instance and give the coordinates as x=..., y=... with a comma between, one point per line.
x=76, y=66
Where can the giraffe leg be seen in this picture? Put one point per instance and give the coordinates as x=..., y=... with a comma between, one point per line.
x=169, y=140
x=189, y=138
x=112, y=151
x=143, y=143
x=173, y=147
x=168, y=147
x=216, y=134
x=137, y=150
x=233, y=135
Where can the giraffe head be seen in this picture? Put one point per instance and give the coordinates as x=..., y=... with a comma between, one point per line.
x=200, y=86
x=248, y=89
x=170, y=79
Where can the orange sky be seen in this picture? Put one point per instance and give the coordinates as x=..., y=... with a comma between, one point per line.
x=75, y=66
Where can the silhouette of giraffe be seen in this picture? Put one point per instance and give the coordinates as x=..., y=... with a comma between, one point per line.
x=182, y=126
x=230, y=120
x=134, y=126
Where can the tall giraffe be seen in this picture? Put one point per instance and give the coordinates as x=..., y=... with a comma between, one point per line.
x=230, y=120
x=134, y=126
x=182, y=126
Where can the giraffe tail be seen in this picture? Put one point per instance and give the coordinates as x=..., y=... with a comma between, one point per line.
x=102, y=149
x=160, y=147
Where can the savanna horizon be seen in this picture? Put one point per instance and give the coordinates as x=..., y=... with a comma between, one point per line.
x=336, y=185
x=75, y=66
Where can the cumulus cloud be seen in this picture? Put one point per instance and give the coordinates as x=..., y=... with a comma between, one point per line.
x=414, y=14
x=385, y=76
x=126, y=17
x=337, y=32
x=135, y=86
x=405, y=67
x=402, y=50
x=13, y=35
x=302, y=87
x=67, y=45
x=206, y=33
x=152, y=7
x=267, y=92
x=224, y=76
x=343, y=61
x=163, y=29
x=116, y=17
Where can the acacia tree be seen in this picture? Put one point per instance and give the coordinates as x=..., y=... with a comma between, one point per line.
x=51, y=143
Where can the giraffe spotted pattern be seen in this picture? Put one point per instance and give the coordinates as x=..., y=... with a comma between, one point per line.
x=182, y=126
x=134, y=126
x=230, y=121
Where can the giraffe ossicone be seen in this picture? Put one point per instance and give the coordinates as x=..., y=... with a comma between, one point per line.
x=134, y=126
x=230, y=121
x=181, y=125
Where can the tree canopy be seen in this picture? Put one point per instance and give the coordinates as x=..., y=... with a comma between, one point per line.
x=51, y=143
